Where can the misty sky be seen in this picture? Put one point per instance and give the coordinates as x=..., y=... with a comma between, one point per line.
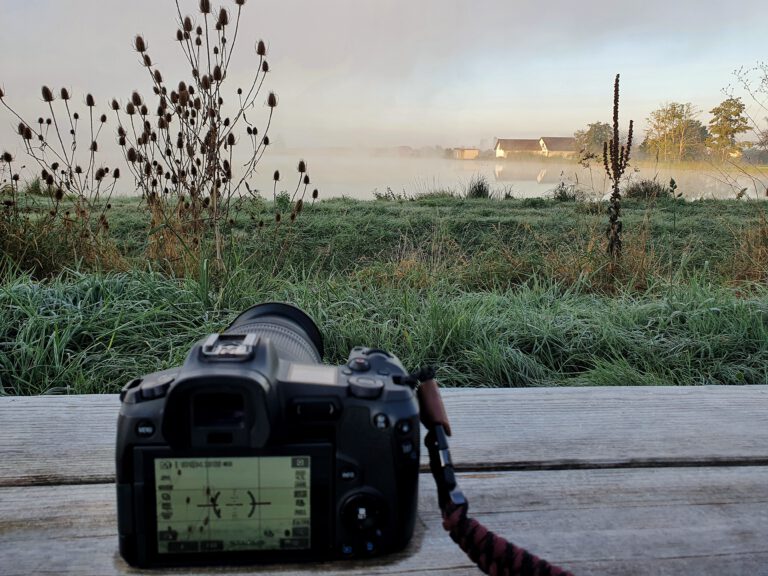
x=417, y=72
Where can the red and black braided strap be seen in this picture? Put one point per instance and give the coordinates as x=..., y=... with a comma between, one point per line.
x=493, y=554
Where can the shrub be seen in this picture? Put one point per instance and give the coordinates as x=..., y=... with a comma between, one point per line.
x=564, y=192
x=647, y=189
x=478, y=187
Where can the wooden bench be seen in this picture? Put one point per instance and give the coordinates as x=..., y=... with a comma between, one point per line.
x=598, y=480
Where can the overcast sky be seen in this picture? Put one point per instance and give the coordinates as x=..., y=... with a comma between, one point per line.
x=416, y=72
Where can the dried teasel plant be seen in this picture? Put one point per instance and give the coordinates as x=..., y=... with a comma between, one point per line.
x=65, y=149
x=615, y=160
x=193, y=151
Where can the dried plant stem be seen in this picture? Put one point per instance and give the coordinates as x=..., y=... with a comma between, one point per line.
x=615, y=160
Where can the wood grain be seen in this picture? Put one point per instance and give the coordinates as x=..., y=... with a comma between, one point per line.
x=707, y=521
x=70, y=439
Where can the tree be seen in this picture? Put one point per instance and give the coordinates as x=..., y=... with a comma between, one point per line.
x=728, y=120
x=674, y=134
x=590, y=141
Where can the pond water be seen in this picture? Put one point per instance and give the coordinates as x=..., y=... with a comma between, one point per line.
x=360, y=176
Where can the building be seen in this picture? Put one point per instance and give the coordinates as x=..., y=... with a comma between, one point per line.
x=548, y=146
x=560, y=146
x=466, y=153
x=506, y=147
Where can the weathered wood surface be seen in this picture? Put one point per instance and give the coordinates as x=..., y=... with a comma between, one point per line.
x=63, y=440
x=631, y=481
x=669, y=521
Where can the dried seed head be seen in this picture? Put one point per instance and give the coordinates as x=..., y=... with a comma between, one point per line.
x=205, y=6
x=198, y=42
x=100, y=173
x=7, y=157
x=265, y=140
x=315, y=194
x=265, y=66
x=103, y=118
x=64, y=94
x=20, y=128
x=115, y=175
x=94, y=146
x=158, y=77
x=302, y=167
x=133, y=156
x=306, y=179
x=48, y=120
x=49, y=180
x=89, y=101
x=179, y=36
x=139, y=44
x=2, y=93
x=59, y=194
x=239, y=2
x=121, y=141
x=78, y=170
x=115, y=105
x=271, y=100
x=205, y=82
x=293, y=216
x=199, y=31
x=299, y=206
x=188, y=24
x=231, y=139
x=261, y=48
x=144, y=110
x=47, y=94
x=217, y=75
x=136, y=98
x=28, y=133
x=147, y=60
x=40, y=120
x=276, y=176
x=277, y=217
x=223, y=17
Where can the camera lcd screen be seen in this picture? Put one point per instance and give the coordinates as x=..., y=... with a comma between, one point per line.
x=238, y=504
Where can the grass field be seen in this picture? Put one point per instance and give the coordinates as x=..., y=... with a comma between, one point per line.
x=492, y=292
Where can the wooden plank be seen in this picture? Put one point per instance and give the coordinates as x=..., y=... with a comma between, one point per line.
x=66, y=439
x=708, y=521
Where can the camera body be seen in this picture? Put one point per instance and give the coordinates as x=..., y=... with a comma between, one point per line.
x=251, y=453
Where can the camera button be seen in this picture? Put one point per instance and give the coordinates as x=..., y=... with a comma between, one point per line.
x=406, y=447
x=145, y=428
x=404, y=427
x=359, y=364
x=347, y=550
x=381, y=421
x=365, y=386
x=348, y=474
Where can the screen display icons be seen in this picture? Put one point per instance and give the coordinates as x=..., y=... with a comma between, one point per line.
x=232, y=504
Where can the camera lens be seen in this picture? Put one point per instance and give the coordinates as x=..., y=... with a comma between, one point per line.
x=293, y=334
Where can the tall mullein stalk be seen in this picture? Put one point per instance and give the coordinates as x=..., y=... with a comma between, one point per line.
x=615, y=160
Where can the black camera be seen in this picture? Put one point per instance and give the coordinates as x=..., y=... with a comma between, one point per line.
x=253, y=451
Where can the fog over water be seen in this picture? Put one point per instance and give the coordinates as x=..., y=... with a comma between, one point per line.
x=360, y=175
